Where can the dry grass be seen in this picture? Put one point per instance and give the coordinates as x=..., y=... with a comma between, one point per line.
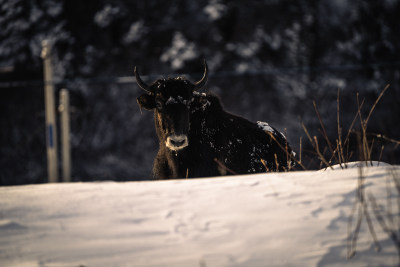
x=339, y=152
x=341, y=155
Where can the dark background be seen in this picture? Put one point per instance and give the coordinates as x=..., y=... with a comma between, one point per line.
x=268, y=61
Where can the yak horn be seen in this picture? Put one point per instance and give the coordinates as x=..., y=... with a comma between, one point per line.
x=140, y=82
x=198, y=85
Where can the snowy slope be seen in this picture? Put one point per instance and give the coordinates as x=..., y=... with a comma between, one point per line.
x=283, y=219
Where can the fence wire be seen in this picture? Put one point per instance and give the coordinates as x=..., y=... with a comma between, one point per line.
x=218, y=74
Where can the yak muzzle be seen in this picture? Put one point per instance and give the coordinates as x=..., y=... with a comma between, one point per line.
x=177, y=142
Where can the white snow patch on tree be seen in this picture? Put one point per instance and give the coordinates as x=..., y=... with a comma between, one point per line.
x=135, y=33
x=214, y=10
x=180, y=51
x=104, y=17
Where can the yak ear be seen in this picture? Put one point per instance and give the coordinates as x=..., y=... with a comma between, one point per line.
x=146, y=101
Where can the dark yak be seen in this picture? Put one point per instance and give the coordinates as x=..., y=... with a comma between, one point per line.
x=199, y=139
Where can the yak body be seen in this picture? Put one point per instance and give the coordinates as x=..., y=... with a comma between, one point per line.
x=199, y=139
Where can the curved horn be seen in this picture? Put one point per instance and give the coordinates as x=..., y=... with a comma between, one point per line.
x=140, y=82
x=198, y=85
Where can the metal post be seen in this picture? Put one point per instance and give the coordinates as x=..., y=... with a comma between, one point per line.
x=51, y=129
x=65, y=135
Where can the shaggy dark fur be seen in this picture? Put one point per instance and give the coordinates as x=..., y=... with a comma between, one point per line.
x=219, y=143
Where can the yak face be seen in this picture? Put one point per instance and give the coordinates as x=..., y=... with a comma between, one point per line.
x=170, y=99
x=171, y=102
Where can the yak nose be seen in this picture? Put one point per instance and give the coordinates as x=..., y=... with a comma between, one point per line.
x=177, y=142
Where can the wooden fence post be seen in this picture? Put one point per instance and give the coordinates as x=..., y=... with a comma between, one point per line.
x=51, y=126
x=65, y=135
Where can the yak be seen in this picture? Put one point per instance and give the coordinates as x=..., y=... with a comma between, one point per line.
x=198, y=138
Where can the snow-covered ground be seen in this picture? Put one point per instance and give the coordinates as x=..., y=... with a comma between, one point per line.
x=275, y=219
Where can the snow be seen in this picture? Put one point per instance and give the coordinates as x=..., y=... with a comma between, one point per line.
x=357, y=165
x=274, y=219
x=265, y=126
x=104, y=17
x=170, y=101
x=214, y=10
x=135, y=33
x=196, y=93
x=180, y=51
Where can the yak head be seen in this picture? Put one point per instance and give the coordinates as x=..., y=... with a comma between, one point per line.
x=170, y=99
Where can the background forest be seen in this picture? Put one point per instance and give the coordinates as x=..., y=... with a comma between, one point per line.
x=268, y=60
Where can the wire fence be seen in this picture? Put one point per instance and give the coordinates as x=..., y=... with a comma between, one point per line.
x=218, y=74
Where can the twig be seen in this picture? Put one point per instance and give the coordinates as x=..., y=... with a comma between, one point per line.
x=221, y=165
x=300, y=150
x=364, y=151
x=385, y=138
x=380, y=155
x=364, y=125
x=376, y=102
x=346, y=140
x=324, y=134
x=276, y=162
x=287, y=154
x=322, y=158
x=339, y=141
x=370, y=151
x=308, y=135
x=265, y=165
x=290, y=154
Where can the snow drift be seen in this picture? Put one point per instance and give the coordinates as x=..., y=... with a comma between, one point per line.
x=275, y=219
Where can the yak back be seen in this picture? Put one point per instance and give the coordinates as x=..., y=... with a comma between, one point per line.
x=237, y=144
